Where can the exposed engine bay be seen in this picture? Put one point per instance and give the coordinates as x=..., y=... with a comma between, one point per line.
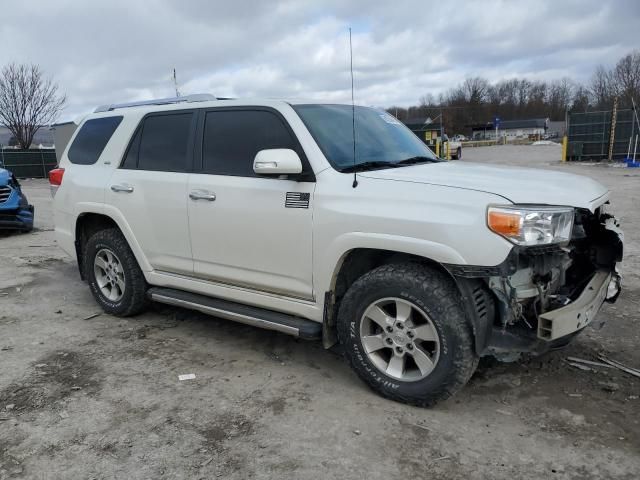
x=543, y=295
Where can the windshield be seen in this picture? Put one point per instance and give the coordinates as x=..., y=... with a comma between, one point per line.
x=381, y=140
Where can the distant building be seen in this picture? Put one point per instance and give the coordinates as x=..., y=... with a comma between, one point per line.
x=425, y=128
x=42, y=139
x=557, y=129
x=510, y=128
x=62, y=133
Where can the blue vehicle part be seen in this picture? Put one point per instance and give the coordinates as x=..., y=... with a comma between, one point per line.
x=15, y=211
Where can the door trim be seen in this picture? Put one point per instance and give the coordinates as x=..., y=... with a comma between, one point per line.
x=310, y=300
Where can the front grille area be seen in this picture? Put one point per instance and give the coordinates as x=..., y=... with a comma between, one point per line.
x=8, y=214
x=5, y=192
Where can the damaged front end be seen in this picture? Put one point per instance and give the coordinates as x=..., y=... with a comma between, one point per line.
x=542, y=296
x=15, y=211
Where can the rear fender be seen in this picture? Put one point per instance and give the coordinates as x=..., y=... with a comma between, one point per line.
x=115, y=215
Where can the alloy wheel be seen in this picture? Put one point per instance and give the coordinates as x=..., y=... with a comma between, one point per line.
x=400, y=339
x=109, y=274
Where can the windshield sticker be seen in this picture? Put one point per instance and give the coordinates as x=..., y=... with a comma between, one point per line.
x=389, y=119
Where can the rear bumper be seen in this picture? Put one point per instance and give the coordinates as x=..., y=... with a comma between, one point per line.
x=65, y=231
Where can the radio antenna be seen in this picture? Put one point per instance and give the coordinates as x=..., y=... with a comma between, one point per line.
x=175, y=83
x=353, y=113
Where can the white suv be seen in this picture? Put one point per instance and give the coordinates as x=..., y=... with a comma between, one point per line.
x=281, y=215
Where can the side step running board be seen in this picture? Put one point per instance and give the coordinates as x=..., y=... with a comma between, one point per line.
x=255, y=316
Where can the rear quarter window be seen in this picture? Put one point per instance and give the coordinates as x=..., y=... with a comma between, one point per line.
x=162, y=143
x=91, y=140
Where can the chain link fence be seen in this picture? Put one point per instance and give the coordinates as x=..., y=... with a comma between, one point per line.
x=589, y=135
x=28, y=163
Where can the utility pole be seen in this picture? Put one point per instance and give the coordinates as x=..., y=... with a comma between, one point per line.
x=612, y=136
x=175, y=83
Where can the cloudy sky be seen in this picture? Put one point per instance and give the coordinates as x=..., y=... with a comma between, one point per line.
x=119, y=50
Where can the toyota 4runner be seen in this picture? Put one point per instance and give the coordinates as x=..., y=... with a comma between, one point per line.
x=336, y=223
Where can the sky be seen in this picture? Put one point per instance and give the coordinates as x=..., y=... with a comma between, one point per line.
x=125, y=50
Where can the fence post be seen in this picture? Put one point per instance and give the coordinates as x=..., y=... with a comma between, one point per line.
x=44, y=169
x=614, y=119
x=564, y=149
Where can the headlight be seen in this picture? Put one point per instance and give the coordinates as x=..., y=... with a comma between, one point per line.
x=531, y=225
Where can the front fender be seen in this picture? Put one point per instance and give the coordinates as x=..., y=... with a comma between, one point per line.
x=337, y=251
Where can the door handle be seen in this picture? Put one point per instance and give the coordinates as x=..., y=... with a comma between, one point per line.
x=202, y=195
x=122, y=188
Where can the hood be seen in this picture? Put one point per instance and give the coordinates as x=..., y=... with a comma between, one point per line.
x=516, y=184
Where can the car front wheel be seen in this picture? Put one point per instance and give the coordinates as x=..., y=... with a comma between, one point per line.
x=405, y=333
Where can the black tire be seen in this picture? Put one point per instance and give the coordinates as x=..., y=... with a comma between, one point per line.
x=437, y=295
x=459, y=154
x=134, y=299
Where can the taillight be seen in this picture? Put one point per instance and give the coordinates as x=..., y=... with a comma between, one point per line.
x=55, y=179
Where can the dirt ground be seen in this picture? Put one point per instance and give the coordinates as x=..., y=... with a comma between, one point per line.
x=99, y=397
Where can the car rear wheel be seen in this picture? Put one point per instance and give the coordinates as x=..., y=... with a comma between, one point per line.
x=404, y=332
x=114, y=277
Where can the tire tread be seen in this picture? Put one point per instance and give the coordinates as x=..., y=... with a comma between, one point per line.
x=135, y=302
x=445, y=297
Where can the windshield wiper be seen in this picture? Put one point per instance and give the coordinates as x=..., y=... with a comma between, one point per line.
x=369, y=166
x=417, y=159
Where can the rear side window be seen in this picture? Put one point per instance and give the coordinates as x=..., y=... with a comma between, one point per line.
x=91, y=140
x=233, y=137
x=131, y=158
x=164, y=143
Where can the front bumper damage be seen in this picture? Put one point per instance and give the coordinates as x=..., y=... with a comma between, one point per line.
x=540, y=298
x=16, y=218
x=581, y=312
x=15, y=211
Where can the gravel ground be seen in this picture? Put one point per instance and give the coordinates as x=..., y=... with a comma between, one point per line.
x=99, y=397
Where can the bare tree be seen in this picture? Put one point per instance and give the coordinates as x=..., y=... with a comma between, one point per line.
x=602, y=87
x=626, y=75
x=522, y=93
x=475, y=90
x=477, y=101
x=428, y=100
x=581, y=99
x=560, y=96
x=28, y=100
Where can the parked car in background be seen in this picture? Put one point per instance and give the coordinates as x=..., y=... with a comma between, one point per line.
x=15, y=211
x=459, y=138
x=455, y=147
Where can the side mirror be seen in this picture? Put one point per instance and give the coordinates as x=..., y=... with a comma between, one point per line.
x=277, y=161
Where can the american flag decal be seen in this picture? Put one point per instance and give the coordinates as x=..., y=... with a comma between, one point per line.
x=297, y=200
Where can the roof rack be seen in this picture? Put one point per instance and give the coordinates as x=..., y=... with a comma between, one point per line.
x=196, y=97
